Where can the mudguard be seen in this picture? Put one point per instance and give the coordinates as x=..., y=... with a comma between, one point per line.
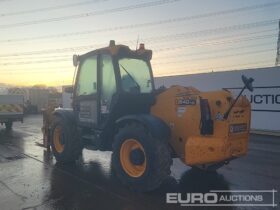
x=155, y=125
x=66, y=114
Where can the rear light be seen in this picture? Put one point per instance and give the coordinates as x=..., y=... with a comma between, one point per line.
x=142, y=46
x=112, y=43
x=206, y=124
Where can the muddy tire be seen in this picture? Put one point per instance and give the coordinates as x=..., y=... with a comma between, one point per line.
x=204, y=170
x=9, y=126
x=64, y=141
x=140, y=161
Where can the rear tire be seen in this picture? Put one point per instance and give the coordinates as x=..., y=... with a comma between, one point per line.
x=64, y=140
x=140, y=175
x=9, y=126
x=204, y=170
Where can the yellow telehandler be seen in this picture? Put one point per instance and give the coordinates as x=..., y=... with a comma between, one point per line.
x=117, y=108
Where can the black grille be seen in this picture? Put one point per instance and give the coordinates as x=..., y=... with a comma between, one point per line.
x=206, y=125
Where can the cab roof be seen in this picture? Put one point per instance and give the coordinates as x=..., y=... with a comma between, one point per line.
x=121, y=51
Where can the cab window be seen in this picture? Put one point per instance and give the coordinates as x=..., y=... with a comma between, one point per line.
x=87, y=78
x=135, y=75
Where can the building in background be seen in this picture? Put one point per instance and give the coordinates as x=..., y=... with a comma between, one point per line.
x=36, y=98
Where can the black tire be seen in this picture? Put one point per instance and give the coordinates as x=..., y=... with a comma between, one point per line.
x=210, y=168
x=69, y=135
x=9, y=126
x=157, y=156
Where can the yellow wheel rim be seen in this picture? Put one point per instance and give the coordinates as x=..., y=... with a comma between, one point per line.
x=59, y=147
x=130, y=168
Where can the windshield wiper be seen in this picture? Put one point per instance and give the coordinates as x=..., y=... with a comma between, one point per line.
x=136, y=83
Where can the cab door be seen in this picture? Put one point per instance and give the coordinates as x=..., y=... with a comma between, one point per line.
x=108, y=87
x=86, y=93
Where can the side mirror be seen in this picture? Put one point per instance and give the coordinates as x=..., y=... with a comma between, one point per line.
x=248, y=83
x=75, y=60
x=69, y=89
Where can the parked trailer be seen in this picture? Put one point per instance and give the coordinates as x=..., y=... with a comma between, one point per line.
x=11, y=109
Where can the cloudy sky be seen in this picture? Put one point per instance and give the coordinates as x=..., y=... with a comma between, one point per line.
x=38, y=38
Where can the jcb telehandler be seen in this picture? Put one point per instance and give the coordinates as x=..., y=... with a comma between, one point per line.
x=117, y=108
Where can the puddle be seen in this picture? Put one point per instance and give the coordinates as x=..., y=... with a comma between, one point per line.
x=12, y=158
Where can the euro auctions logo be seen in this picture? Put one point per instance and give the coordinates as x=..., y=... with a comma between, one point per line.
x=192, y=198
x=264, y=198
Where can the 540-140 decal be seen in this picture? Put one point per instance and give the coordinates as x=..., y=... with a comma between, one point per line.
x=185, y=101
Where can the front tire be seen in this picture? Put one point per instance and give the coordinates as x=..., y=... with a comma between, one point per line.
x=140, y=161
x=65, y=142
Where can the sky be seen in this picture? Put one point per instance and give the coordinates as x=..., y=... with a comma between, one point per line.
x=38, y=38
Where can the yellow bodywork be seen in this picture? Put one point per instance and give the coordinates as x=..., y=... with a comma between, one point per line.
x=179, y=108
x=131, y=169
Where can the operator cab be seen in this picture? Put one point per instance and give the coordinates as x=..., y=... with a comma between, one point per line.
x=112, y=82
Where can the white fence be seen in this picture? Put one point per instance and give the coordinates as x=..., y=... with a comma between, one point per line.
x=265, y=99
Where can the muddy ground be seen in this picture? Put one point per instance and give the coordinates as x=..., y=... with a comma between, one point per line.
x=31, y=179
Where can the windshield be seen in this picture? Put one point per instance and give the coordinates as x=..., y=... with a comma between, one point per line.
x=135, y=75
